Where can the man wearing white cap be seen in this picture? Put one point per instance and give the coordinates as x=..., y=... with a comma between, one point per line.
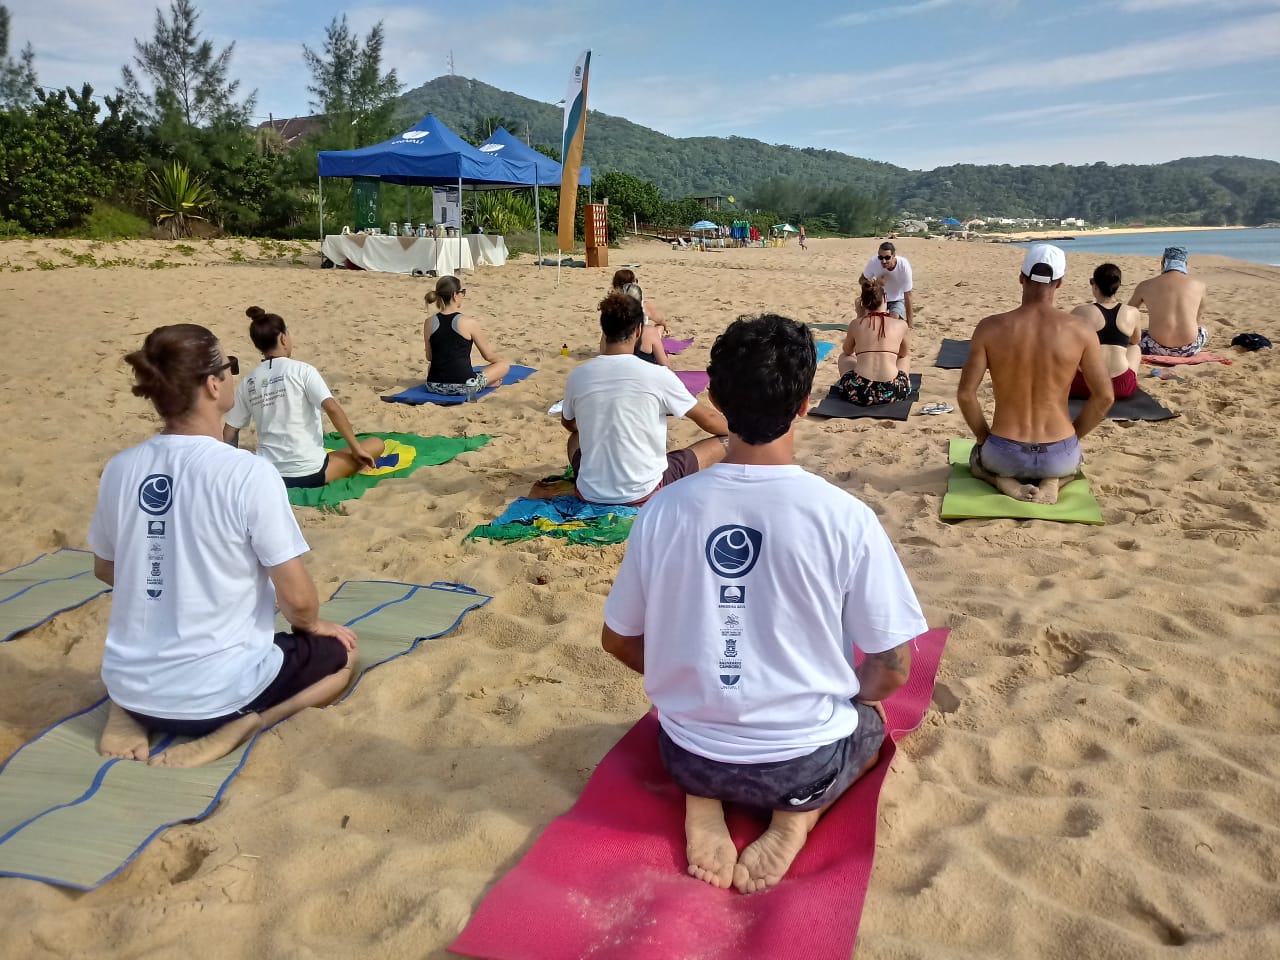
x=1175, y=305
x=1033, y=353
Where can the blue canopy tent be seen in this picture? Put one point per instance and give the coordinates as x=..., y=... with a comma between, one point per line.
x=427, y=154
x=546, y=172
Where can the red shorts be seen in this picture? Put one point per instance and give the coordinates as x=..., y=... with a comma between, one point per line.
x=1125, y=385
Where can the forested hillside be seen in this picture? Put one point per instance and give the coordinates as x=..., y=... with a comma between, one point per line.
x=1208, y=190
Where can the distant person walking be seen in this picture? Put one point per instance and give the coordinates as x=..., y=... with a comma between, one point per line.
x=1175, y=307
x=895, y=271
x=803, y=237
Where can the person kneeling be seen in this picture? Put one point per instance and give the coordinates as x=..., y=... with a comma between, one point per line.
x=200, y=544
x=283, y=397
x=741, y=597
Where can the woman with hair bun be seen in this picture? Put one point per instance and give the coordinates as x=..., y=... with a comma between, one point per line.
x=283, y=397
x=448, y=337
x=875, y=360
x=200, y=545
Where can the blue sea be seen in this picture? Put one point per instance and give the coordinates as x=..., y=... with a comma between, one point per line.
x=1253, y=245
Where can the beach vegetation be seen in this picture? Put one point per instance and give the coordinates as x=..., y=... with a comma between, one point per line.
x=504, y=211
x=17, y=75
x=108, y=222
x=178, y=199
x=349, y=86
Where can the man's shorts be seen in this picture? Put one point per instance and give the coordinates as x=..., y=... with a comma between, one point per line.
x=1153, y=348
x=1124, y=385
x=308, y=659
x=897, y=306
x=1028, y=462
x=680, y=463
x=310, y=480
x=474, y=385
x=805, y=783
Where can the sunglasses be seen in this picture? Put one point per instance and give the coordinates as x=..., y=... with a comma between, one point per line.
x=883, y=259
x=461, y=290
x=233, y=363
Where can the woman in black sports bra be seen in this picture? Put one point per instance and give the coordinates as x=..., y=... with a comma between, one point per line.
x=448, y=337
x=1118, y=327
x=875, y=361
x=649, y=347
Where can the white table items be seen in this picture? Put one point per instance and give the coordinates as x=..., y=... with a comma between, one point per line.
x=387, y=254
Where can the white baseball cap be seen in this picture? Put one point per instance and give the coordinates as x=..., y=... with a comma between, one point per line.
x=1044, y=263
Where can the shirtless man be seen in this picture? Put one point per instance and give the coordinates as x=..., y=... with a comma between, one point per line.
x=1033, y=352
x=741, y=599
x=1175, y=306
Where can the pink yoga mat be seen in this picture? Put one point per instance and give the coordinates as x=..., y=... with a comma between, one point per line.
x=676, y=346
x=607, y=879
x=695, y=381
x=1204, y=356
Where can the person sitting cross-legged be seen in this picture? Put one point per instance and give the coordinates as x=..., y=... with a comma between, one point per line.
x=741, y=598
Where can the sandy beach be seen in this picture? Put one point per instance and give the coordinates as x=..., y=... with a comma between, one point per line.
x=1098, y=775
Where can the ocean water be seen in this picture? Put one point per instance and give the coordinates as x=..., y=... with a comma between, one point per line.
x=1253, y=245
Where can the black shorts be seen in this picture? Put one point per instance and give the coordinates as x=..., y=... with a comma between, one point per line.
x=308, y=659
x=310, y=480
x=811, y=782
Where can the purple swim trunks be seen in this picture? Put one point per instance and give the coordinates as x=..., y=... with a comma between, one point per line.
x=1028, y=462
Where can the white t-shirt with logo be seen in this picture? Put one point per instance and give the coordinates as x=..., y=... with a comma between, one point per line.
x=191, y=525
x=751, y=586
x=621, y=404
x=897, y=282
x=283, y=397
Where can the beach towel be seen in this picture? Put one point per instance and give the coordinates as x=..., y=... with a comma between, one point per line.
x=52, y=583
x=565, y=517
x=72, y=818
x=1140, y=406
x=824, y=350
x=403, y=454
x=695, y=381
x=834, y=405
x=1204, y=356
x=420, y=394
x=968, y=498
x=953, y=355
x=607, y=879
x=676, y=346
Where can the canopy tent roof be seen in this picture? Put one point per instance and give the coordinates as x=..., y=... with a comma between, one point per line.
x=427, y=154
x=952, y=222
x=547, y=172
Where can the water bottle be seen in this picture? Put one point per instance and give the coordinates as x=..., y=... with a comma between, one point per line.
x=564, y=349
x=392, y=229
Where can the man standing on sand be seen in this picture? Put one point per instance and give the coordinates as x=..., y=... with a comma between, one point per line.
x=1175, y=306
x=1033, y=353
x=742, y=595
x=895, y=271
x=616, y=408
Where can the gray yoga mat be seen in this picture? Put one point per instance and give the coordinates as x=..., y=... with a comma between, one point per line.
x=835, y=406
x=1140, y=406
x=953, y=355
x=37, y=591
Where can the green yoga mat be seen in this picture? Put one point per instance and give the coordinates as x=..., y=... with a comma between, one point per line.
x=37, y=591
x=969, y=499
x=425, y=452
x=74, y=819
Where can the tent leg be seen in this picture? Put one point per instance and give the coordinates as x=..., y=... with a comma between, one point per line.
x=460, y=237
x=537, y=214
x=320, y=185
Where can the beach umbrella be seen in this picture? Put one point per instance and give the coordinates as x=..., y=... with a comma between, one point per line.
x=785, y=228
x=703, y=225
x=952, y=222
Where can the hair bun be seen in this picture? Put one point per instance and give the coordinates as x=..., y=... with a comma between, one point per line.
x=254, y=312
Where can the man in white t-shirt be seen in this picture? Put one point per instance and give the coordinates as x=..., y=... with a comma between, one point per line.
x=200, y=544
x=284, y=398
x=615, y=409
x=741, y=598
x=895, y=271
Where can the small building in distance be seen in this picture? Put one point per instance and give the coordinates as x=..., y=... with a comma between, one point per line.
x=295, y=129
x=709, y=202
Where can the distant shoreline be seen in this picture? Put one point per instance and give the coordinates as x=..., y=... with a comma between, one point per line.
x=1094, y=232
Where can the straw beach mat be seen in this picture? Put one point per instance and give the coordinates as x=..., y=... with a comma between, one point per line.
x=38, y=591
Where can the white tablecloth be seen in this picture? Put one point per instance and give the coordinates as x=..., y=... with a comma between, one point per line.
x=406, y=254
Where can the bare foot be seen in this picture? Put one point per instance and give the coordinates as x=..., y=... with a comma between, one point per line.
x=708, y=846
x=210, y=747
x=1018, y=491
x=765, y=862
x=123, y=737
x=1048, y=491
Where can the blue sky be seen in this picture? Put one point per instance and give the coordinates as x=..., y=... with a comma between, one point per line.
x=920, y=83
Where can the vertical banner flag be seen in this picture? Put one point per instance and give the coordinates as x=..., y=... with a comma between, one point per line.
x=575, y=130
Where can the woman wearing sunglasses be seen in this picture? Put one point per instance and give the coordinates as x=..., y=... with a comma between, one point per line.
x=200, y=544
x=448, y=337
x=284, y=397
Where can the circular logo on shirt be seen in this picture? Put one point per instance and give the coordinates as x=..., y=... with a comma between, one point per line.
x=156, y=494
x=733, y=550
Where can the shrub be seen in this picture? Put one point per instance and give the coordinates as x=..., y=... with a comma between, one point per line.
x=178, y=198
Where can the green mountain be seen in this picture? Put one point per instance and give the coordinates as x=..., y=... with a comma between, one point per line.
x=1194, y=190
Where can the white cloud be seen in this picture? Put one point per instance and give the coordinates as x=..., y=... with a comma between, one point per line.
x=1153, y=6
x=888, y=11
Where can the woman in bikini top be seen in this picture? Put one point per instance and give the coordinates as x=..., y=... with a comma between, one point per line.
x=877, y=345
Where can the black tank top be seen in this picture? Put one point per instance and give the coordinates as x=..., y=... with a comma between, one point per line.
x=650, y=357
x=1110, y=335
x=450, y=351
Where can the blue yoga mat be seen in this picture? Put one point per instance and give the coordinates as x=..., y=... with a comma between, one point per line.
x=824, y=349
x=420, y=394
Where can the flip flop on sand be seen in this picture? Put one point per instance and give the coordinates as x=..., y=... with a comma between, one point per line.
x=936, y=408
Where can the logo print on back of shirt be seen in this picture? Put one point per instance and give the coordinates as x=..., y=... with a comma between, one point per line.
x=156, y=494
x=733, y=550
x=730, y=679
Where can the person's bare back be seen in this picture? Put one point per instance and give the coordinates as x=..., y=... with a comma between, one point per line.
x=1175, y=305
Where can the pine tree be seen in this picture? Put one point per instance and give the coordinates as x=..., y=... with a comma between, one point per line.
x=188, y=82
x=17, y=77
x=350, y=89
